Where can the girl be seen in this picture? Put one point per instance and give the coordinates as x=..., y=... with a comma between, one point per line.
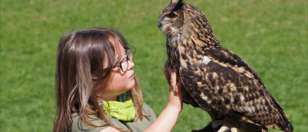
x=97, y=90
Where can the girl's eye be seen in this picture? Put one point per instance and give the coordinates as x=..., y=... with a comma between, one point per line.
x=173, y=15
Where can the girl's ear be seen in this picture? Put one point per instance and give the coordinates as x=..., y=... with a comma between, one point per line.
x=94, y=78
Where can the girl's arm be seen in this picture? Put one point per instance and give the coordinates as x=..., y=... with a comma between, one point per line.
x=167, y=119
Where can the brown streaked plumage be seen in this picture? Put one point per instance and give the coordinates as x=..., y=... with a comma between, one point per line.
x=214, y=78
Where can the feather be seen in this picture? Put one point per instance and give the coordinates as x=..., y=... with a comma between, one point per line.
x=214, y=78
x=178, y=5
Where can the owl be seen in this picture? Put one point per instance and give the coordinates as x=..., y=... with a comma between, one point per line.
x=214, y=78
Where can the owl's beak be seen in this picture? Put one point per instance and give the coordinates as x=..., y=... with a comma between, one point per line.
x=159, y=24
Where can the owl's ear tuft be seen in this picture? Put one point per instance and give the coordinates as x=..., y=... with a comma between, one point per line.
x=178, y=5
x=172, y=1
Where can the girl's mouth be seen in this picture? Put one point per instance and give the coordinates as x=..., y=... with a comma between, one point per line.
x=132, y=77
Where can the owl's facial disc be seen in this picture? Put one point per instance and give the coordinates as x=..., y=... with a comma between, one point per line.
x=171, y=19
x=168, y=24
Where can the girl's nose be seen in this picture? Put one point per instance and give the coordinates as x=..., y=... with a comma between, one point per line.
x=131, y=65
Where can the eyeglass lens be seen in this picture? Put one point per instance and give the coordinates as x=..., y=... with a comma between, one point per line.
x=125, y=63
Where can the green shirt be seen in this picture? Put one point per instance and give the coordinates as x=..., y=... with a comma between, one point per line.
x=138, y=126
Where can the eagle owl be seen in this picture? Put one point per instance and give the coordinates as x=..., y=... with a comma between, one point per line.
x=214, y=78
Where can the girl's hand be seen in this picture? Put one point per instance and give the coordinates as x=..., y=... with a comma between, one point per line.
x=167, y=119
x=175, y=100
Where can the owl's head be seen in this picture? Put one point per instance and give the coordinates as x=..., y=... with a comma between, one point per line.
x=178, y=16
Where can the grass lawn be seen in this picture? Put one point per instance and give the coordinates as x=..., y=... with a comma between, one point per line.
x=270, y=35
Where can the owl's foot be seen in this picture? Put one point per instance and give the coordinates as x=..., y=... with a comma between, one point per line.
x=219, y=126
x=229, y=125
x=225, y=125
x=227, y=129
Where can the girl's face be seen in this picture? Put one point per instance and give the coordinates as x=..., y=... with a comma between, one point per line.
x=119, y=81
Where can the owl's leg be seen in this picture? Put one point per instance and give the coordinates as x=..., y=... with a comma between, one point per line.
x=224, y=129
x=217, y=123
x=227, y=129
x=207, y=128
x=229, y=126
x=264, y=129
x=234, y=130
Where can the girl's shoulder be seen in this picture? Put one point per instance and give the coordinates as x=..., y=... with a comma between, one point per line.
x=147, y=109
x=147, y=121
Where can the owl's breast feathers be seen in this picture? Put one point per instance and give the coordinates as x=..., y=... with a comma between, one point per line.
x=220, y=80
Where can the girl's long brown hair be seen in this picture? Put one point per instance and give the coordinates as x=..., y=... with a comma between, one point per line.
x=81, y=55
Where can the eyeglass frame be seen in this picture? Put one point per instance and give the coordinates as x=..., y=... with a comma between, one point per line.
x=128, y=57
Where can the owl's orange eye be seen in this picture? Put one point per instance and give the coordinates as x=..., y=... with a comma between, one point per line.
x=173, y=15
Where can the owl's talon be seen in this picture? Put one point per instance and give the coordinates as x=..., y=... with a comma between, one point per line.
x=217, y=123
x=233, y=129
x=224, y=129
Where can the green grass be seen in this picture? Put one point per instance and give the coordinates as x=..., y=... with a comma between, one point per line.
x=270, y=35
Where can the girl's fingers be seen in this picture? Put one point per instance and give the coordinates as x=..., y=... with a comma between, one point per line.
x=179, y=84
x=175, y=94
x=174, y=85
x=173, y=76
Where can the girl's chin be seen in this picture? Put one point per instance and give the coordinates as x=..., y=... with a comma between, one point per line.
x=131, y=85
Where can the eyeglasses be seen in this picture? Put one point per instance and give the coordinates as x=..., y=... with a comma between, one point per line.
x=124, y=64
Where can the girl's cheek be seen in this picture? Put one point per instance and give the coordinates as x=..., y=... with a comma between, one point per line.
x=119, y=81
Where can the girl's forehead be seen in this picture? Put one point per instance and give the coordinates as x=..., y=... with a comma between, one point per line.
x=119, y=49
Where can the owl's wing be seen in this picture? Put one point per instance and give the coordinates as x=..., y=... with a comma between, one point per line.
x=187, y=98
x=224, y=82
